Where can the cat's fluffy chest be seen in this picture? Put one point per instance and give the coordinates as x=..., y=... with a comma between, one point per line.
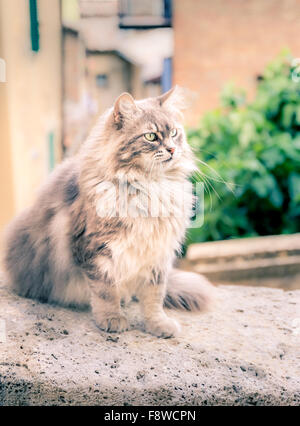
x=151, y=238
x=147, y=244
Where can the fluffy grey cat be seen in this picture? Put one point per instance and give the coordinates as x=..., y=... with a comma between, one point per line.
x=84, y=243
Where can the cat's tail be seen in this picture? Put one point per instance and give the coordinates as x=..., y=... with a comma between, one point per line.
x=189, y=291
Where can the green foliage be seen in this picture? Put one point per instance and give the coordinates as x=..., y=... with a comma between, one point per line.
x=252, y=156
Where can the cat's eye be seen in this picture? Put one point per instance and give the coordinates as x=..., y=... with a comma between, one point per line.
x=173, y=133
x=151, y=137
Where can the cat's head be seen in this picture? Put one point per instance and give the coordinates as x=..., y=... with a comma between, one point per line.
x=148, y=135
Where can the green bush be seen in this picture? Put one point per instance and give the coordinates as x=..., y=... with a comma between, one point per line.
x=252, y=156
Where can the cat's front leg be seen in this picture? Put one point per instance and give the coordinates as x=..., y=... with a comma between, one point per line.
x=106, y=304
x=151, y=296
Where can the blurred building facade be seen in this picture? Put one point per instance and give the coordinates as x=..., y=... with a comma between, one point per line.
x=110, y=47
x=218, y=41
x=75, y=107
x=108, y=74
x=67, y=60
x=30, y=99
x=126, y=44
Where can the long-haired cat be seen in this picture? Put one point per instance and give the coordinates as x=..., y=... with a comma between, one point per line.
x=84, y=242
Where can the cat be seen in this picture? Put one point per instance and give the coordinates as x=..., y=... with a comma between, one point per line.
x=76, y=247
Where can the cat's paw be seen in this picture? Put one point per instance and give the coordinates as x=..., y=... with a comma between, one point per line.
x=164, y=327
x=113, y=324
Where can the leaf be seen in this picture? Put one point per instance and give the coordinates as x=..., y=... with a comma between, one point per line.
x=294, y=186
x=263, y=185
x=272, y=157
x=276, y=197
x=288, y=113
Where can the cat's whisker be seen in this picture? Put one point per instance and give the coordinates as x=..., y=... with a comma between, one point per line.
x=221, y=180
x=206, y=186
x=206, y=178
x=228, y=184
x=196, y=151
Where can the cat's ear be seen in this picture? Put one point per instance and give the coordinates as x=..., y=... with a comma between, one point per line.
x=165, y=96
x=177, y=97
x=124, y=106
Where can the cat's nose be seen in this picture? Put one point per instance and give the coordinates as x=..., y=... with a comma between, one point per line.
x=171, y=150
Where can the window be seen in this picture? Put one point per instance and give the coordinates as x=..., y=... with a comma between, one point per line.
x=166, y=79
x=137, y=14
x=34, y=26
x=102, y=80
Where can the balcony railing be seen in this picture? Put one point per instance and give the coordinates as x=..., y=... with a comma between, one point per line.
x=147, y=14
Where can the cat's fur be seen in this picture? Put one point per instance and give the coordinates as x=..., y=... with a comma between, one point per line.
x=64, y=250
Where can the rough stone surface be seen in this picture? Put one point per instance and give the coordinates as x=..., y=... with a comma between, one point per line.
x=244, y=352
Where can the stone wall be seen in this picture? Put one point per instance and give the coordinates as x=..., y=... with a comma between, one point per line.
x=244, y=352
